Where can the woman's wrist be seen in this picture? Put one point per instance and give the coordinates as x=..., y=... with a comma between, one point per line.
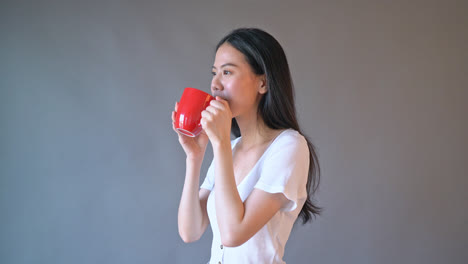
x=221, y=146
x=194, y=161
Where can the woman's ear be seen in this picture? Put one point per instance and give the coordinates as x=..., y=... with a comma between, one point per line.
x=262, y=89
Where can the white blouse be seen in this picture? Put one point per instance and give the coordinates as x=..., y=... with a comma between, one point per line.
x=283, y=168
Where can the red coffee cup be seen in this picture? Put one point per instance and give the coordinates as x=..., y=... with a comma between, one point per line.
x=188, y=116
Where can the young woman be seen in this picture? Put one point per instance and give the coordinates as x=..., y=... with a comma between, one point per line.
x=259, y=183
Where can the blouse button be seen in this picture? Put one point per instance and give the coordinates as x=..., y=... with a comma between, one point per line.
x=219, y=262
x=221, y=246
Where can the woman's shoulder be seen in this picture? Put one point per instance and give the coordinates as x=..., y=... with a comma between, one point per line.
x=290, y=135
x=289, y=141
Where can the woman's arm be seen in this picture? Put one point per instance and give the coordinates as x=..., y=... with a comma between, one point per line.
x=239, y=221
x=192, y=217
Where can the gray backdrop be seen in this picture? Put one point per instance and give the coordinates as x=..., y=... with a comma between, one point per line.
x=91, y=171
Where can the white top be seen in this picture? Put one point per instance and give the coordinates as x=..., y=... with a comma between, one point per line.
x=283, y=168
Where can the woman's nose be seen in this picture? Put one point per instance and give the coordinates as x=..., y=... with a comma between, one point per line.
x=216, y=84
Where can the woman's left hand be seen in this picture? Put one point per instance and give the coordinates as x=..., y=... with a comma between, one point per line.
x=216, y=121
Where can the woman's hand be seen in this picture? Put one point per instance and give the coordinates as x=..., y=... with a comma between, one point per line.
x=194, y=147
x=216, y=121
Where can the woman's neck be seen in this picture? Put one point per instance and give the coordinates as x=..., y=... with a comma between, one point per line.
x=254, y=131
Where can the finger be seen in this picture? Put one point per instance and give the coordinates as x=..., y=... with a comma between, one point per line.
x=218, y=104
x=173, y=124
x=213, y=110
x=176, y=106
x=205, y=123
x=221, y=100
x=206, y=116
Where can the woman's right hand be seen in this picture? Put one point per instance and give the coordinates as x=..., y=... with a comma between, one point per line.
x=194, y=147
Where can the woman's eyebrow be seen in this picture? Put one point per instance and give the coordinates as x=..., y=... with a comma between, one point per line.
x=226, y=64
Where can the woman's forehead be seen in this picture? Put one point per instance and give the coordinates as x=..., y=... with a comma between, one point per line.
x=227, y=54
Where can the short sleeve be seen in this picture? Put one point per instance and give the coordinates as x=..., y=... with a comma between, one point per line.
x=208, y=183
x=285, y=169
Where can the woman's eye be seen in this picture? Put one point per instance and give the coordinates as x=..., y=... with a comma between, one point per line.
x=225, y=72
x=213, y=73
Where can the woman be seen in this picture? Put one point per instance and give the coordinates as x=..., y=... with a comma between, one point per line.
x=259, y=183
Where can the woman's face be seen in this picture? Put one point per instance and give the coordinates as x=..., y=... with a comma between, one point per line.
x=234, y=81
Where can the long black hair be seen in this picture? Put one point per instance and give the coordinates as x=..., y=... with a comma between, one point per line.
x=266, y=56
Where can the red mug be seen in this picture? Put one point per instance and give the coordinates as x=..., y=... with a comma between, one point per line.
x=188, y=116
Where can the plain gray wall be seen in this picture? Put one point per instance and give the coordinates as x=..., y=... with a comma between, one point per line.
x=91, y=171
